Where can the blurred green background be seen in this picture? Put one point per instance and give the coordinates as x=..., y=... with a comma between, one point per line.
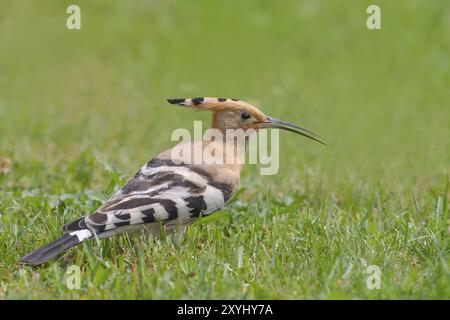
x=380, y=97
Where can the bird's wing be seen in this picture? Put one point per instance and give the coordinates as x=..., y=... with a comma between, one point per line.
x=160, y=191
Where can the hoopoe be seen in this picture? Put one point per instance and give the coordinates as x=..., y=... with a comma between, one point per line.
x=166, y=194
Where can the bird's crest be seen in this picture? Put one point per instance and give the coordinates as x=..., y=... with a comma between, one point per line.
x=213, y=104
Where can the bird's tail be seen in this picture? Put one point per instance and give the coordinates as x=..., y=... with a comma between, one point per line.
x=55, y=248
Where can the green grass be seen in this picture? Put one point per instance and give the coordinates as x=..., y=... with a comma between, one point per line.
x=80, y=111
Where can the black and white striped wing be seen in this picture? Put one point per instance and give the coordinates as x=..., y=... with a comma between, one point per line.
x=160, y=191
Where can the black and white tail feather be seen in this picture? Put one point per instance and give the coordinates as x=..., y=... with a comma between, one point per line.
x=55, y=248
x=161, y=193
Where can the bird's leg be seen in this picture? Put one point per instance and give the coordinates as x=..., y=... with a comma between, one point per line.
x=160, y=232
x=179, y=232
x=156, y=230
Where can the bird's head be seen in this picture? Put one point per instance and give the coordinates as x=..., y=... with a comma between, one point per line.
x=238, y=114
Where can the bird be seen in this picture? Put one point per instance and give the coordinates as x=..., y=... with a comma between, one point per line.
x=167, y=194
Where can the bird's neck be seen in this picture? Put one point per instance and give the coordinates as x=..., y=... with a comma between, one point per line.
x=228, y=153
x=217, y=124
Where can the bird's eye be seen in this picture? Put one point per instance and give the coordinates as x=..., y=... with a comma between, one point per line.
x=245, y=116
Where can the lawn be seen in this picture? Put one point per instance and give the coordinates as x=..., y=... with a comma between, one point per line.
x=82, y=110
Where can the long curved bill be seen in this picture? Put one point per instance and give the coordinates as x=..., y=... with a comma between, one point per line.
x=292, y=127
